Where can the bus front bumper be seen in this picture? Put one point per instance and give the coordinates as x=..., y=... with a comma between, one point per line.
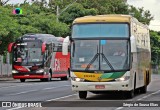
x=101, y=86
x=30, y=76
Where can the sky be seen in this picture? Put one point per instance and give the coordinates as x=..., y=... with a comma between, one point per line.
x=152, y=5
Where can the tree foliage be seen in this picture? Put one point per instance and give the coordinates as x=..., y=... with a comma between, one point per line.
x=155, y=47
x=40, y=17
x=143, y=16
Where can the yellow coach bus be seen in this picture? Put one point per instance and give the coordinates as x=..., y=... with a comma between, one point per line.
x=109, y=53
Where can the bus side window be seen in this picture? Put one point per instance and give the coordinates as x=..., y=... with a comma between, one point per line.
x=54, y=48
x=59, y=47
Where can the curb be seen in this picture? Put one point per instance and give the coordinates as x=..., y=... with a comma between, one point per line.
x=6, y=78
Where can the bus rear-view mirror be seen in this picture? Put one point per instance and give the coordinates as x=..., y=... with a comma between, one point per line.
x=133, y=44
x=65, y=45
x=10, y=47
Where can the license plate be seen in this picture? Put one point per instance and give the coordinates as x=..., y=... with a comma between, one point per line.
x=100, y=86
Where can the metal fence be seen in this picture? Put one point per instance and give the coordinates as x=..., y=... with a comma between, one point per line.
x=5, y=68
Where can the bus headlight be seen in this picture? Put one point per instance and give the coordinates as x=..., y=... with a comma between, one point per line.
x=14, y=71
x=123, y=78
x=40, y=71
x=77, y=79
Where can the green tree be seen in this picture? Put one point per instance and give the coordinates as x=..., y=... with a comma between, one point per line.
x=34, y=20
x=155, y=47
x=74, y=11
x=142, y=15
x=106, y=6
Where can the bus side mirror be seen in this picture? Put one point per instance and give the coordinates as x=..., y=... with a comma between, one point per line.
x=65, y=45
x=133, y=44
x=43, y=47
x=10, y=47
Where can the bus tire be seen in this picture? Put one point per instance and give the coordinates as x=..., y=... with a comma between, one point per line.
x=64, y=78
x=130, y=94
x=82, y=94
x=143, y=89
x=22, y=80
x=42, y=80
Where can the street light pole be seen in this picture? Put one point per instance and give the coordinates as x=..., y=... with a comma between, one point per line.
x=58, y=14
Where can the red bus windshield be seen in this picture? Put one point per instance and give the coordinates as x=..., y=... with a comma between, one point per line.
x=28, y=53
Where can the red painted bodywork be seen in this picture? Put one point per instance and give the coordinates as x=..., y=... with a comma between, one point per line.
x=30, y=76
x=10, y=47
x=61, y=65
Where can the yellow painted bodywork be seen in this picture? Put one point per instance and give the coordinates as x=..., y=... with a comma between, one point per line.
x=103, y=18
x=90, y=76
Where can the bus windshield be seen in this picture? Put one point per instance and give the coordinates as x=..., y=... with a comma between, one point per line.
x=103, y=55
x=28, y=53
x=100, y=30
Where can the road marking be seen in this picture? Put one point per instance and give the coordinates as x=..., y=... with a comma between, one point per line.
x=60, y=97
x=149, y=95
x=26, y=84
x=119, y=108
x=56, y=87
x=16, y=86
x=141, y=98
x=39, y=90
x=23, y=92
x=14, y=108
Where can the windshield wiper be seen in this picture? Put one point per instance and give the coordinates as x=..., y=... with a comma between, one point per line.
x=93, y=59
x=103, y=56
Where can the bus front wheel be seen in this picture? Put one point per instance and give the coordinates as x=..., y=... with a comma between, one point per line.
x=82, y=94
x=22, y=80
x=64, y=78
x=130, y=94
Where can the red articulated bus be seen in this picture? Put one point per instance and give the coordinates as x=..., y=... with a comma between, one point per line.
x=39, y=56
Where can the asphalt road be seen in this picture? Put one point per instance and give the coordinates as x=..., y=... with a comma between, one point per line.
x=58, y=93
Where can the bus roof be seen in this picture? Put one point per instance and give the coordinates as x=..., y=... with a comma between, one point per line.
x=103, y=18
x=43, y=37
x=39, y=35
x=108, y=18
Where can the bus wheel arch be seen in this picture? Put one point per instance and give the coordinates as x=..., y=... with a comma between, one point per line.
x=131, y=93
x=147, y=78
x=50, y=75
x=144, y=88
x=66, y=77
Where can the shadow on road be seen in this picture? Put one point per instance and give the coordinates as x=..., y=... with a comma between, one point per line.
x=111, y=96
